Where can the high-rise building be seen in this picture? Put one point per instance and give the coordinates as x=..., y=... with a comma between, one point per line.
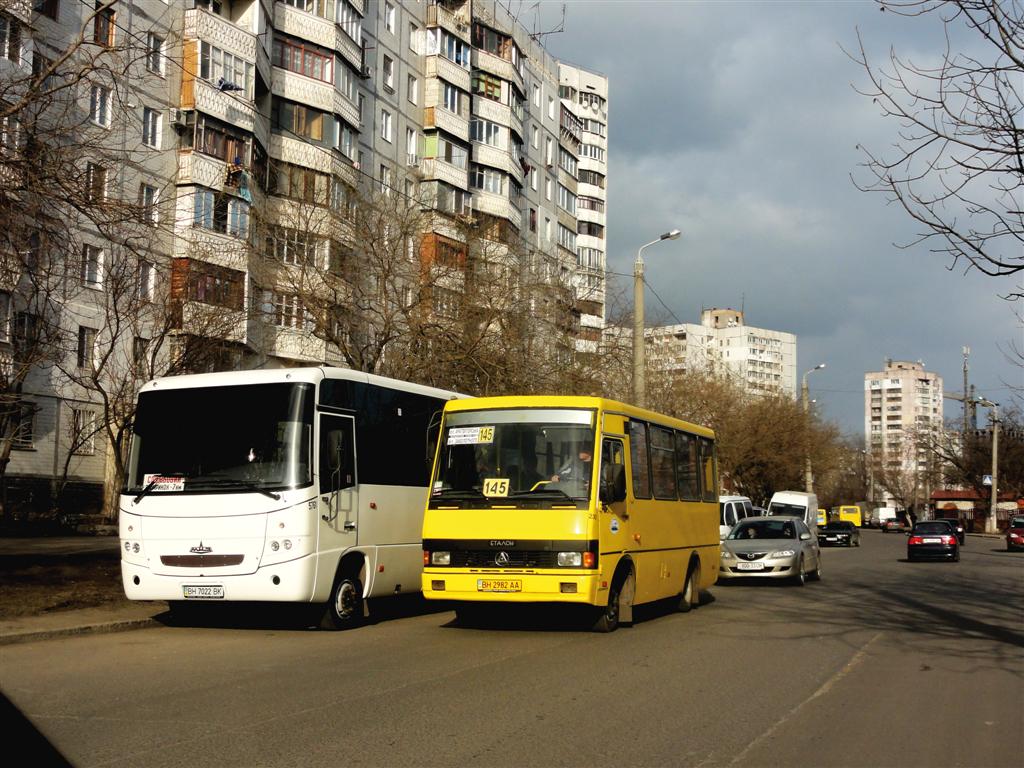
x=902, y=410
x=256, y=136
x=761, y=360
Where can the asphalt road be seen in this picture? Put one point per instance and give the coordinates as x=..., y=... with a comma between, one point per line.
x=883, y=663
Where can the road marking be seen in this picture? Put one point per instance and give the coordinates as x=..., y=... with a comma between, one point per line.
x=857, y=658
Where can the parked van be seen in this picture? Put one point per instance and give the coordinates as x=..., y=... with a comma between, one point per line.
x=881, y=514
x=795, y=504
x=732, y=509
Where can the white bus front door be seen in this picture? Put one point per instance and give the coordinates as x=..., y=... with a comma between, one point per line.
x=339, y=508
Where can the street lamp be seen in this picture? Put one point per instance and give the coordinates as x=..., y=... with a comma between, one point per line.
x=809, y=478
x=991, y=523
x=639, y=382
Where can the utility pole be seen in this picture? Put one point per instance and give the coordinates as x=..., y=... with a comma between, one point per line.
x=967, y=352
x=991, y=523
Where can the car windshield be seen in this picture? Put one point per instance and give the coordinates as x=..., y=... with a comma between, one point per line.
x=1017, y=522
x=216, y=439
x=515, y=457
x=792, y=510
x=764, y=529
x=839, y=527
x=935, y=526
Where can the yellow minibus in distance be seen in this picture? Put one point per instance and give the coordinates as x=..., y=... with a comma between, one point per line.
x=577, y=500
x=850, y=513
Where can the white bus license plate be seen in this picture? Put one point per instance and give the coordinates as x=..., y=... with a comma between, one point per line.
x=750, y=566
x=203, y=591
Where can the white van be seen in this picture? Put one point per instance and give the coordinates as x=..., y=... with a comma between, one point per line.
x=732, y=509
x=795, y=504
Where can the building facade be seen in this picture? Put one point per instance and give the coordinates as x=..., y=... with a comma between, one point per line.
x=902, y=411
x=252, y=138
x=762, y=360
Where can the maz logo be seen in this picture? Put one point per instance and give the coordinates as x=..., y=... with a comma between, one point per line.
x=201, y=550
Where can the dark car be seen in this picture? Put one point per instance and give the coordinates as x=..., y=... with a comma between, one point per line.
x=1015, y=534
x=839, y=533
x=933, y=538
x=892, y=524
x=958, y=528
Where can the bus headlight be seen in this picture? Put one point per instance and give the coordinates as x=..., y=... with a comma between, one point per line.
x=570, y=559
x=440, y=558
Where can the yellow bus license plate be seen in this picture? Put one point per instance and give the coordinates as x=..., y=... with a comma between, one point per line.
x=499, y=585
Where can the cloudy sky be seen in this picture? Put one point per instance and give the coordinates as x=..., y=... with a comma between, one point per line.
x=737, y=122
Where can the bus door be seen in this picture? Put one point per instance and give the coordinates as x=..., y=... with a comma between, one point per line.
x=612, y=497
x=339, y=508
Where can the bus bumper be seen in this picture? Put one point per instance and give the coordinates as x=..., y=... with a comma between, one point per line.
x=561, y=587
x=291, y=581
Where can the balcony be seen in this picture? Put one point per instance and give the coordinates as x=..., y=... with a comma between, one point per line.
x=197, y=168
x=496, y=158
x=300, y=153
x=348, y=48
x=296, y=23
x=303, y=90
x=218, y=31
x=496, y=205
x=438, y=66
x=439, y=117
x=439, y=16
x=212, y=247
x=288, y=343
x=214, y=322
x=498, y=66
x=227, y=107
x=433, y=168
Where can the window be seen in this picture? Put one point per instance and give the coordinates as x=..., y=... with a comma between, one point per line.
x=322, y=8
x=709, y=474
x=486, y=132
x=221, y=140
x=638, y=457
x=360, y=101
x=413, y=90
x=293, y=246
x=86, y=346
x=566, y=200
x=590, y=228
x=10, y=39
x=147, y=280
x=214, y=285
x=46, y=7
x=536, y=96
x=103, y=25
x=286, y=310
x=487, y=179
x=452, y=200
x=591, y=258
x=567, y=162
x=663, y=474
x=389, y=73
x=155, y=53
x=385, y=180
x=346, y=81
x=83, y=427
x=151, y=127
x=592, y=177
x=593, y=126
x=547, y=189
x=533, y=219
x=592, y=151
x=92, y=266
x=389, y=17
x=592, y=100
x=551, y=107
x=350, y=21
x=149, y=197
x=95, y=183
x=452, y=100
x=385, y=125
x=487, y=85
x=533, y=179
x=304, y=58
x=414, y=38
x=439, y=41
x=140, y=357
x=23, y=437
x=287, y=116
x=590, y=204
x=452, y=153
x=220, y=213
x=299, y=183
x=566, y=237
x=225, y=71
x=99, y=106
x=412, y=146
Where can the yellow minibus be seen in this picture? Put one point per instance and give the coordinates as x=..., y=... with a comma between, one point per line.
x=850, y=513
x=578, y=500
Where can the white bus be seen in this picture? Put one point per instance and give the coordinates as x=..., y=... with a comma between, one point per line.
x=298, y=485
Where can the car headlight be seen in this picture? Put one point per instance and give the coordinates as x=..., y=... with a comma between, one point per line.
x=570, y=559
x=727, y=555
x=440, y=558
x=784, y=553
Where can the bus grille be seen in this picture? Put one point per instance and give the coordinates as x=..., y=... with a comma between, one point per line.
x=200, y=561
x=485, y=558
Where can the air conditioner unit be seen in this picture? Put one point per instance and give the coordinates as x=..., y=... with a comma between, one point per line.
x=181, y=118
x=364, y=72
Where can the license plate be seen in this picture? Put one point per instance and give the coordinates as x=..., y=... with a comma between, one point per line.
x=499, y=585
x=202, y=591
x=750, y=566
x=831, y=538
x=932, y=541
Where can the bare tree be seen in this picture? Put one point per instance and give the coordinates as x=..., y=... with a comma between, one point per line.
x=957, y=167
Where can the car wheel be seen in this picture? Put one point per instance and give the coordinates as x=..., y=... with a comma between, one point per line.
x=345, y=608
x=800, y=578
x=608, y=621
x=815, y=575
x=910, y=558
x=686, y=599
x=956, y=555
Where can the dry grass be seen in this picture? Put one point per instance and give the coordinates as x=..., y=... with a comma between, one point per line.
x=35, y=584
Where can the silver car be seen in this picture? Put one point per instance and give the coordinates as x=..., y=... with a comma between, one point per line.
x=771, y=548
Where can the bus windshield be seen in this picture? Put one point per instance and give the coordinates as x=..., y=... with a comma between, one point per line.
x=255, y=437
x=509, y=456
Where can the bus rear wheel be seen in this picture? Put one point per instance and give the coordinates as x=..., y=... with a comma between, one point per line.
x=345, y=607
x=608, y=621
x=686, y=600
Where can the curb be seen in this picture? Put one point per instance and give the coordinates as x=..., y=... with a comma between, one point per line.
x=27, y=636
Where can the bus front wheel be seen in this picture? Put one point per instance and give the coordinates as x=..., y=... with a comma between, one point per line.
x=686, y=600
x=608, y=621
x=345, y=608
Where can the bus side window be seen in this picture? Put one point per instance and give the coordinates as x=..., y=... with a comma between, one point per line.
x=337, y=454
x=639, y=463
x=709, y=480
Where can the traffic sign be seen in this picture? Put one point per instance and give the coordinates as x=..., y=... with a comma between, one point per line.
x=986, y=479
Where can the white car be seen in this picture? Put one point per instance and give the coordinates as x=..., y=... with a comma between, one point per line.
x=771, y=548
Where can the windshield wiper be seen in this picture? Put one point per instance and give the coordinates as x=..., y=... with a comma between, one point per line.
x=458, y=493
x=540, y=491
x=220, y=482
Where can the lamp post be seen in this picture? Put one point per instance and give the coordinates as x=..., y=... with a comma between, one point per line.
x=991, y=523
x=639, y=381
x=809, y=478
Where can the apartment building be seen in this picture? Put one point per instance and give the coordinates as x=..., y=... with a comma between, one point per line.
x=902, y=406
x=250, y=132
x=762, y=360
